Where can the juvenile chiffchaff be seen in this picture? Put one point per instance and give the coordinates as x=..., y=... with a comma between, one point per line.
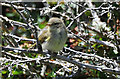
x=54, y=35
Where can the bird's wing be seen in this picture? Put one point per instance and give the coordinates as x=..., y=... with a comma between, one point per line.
x=44, y=35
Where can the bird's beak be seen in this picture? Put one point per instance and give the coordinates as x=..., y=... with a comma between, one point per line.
x=48, y=24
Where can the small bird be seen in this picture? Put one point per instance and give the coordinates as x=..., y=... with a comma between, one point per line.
x=54, y=35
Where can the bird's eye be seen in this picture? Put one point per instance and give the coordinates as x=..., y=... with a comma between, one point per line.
x=56, y=23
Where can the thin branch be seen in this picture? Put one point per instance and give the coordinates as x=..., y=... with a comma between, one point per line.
x=100, y=68
x=92, y=55
x=19, y=49
x=25, y=20
x=20, y=7
x=18, y=38
x=20, y=24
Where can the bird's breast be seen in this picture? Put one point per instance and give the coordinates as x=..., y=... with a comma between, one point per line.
x=56, y=41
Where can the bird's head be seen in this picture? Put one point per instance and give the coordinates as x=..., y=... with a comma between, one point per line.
x=55, y=23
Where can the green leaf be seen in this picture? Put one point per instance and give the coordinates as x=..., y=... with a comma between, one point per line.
x=10, y=14
x=66, y=45
x=88, y=13
x=16, y=72
x=4, y=72
x=52, y=75
x=67, y=22
x=100, y=39
x=108, y=15
x=94, y=45
x=41, y=22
